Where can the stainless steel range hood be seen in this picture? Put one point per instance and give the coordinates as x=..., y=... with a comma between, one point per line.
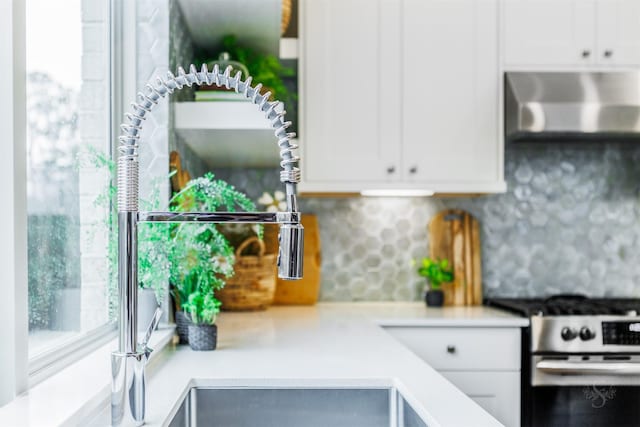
x=572, y=106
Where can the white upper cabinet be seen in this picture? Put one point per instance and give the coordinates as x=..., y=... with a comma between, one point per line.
x=549, y=32
x=450, y=129
x=400, y=95
x=618, y=29
x=348, y=122
x=573, y=34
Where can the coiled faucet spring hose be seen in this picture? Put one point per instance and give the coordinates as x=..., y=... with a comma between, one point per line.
x=128, y=166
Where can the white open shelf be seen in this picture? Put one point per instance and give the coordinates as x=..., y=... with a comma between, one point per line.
x=215, y=115
x=231, y=133
x=288, y=48
x=227, y=134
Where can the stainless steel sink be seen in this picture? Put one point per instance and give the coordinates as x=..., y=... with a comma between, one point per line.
x=294, y=407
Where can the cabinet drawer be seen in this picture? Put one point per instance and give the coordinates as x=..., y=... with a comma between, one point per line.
x=463, y=349
x=497, y=392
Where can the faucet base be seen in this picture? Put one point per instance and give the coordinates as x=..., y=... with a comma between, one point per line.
x=128, y=388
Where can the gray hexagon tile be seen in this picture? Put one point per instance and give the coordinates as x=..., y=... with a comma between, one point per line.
x=569, y=222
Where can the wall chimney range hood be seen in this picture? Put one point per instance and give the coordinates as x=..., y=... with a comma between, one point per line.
x=572, y=106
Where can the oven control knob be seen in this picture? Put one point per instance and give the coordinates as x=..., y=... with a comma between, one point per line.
x=586, y=334
x=568, y=333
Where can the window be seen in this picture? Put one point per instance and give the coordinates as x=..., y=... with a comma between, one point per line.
x=68, y=111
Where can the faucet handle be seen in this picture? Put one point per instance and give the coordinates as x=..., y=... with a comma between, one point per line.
x=152, y=326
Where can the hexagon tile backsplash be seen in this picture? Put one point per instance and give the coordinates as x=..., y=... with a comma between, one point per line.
x=569, y=222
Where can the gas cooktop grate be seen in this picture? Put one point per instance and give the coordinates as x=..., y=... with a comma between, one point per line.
x=568, y=305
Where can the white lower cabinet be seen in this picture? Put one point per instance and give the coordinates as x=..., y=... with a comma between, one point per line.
x=483, y=362
x=497, y=392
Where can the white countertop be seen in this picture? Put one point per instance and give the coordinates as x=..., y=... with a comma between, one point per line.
x=328, y=345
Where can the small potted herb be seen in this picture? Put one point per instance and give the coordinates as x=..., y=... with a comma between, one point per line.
x=202, y=308
x=437, y=273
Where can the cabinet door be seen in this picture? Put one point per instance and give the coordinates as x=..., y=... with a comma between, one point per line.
x=451, y=93
x=618, y=34
x=551, y=33
x=451, y=349
x=498, y=393
x=350, y=99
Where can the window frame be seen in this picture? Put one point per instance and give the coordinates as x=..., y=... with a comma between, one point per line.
x=13, y=218
x=49, y=362
x=18, y=371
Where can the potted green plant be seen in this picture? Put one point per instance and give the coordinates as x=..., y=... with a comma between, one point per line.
x=189, y=257
x=266, y=69
x=153, y=240
x=437, y=272
x=200, y=256
x=202, y=309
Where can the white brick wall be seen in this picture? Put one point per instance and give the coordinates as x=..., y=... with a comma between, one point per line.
x=152, y=40
x=94, y=11
x=94, y=128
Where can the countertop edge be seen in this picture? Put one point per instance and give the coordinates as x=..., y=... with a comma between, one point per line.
x=454, y=323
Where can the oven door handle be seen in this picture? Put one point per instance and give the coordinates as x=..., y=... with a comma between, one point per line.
x=560, y=367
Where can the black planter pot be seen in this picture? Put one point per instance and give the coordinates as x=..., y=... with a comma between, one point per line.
x=203, y=337
x=434, y=298
x=182, y=327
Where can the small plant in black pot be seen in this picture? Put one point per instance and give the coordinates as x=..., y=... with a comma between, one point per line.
x=437, y=272
x=202, y=308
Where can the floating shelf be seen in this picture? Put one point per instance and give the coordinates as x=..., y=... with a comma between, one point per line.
x=227, y=134
x=215, y=115
x=289, y=48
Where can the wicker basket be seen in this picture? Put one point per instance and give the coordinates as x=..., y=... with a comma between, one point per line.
x=253, y=285
x=286, y=16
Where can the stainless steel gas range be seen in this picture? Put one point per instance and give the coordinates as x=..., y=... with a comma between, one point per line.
x=580, y=361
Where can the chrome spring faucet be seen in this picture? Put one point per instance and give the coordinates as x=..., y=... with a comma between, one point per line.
x=129, y=361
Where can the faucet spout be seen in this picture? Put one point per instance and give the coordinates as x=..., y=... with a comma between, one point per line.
x=128, y=363
x=291, y=240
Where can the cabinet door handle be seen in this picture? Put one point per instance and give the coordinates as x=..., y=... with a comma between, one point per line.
x=608, y=53
x=413, y=170
x=586, y=53
x=391, y=169
x=451, y=349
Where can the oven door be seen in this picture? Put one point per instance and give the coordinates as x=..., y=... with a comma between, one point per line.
x=584, y=390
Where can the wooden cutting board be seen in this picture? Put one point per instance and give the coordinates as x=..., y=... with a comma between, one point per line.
x=455, y=235
x=304, y=291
